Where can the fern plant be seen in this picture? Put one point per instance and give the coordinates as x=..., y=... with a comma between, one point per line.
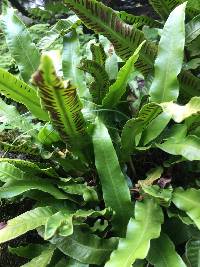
x=114, y=167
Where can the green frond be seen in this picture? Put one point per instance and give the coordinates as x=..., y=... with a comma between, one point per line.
x=99, y=87
x=98, y=54
x=139, y=21
x=60, y=99
x=124, y=37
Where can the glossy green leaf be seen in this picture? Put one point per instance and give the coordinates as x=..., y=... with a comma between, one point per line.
x=10, y=172
x=180, y=113
x=19, y=42
x=174, y=212
x=155, y=128
x=29, y=251
x=98, y=53
x=189, y=85
x=163, y=7
x=61, y=28
x=24, y=148
x=193, y=252
x=163, y=196
x=139, y=21
x=115, y=189
x=111, y=64
x=17, y=187
x=62, y=221
x=188, y=200
x=70, y=263
x=47, y=135
x=165, y=86
x=192, y=29
x=194, y=4
x=145, y=226
x=10, y=116
x=86, y=247
x=188, y=147
x=192, y=64
x=21, y=92
x=60, y=99
x=57, y=221
x=71, y=57
x=42, y=260
x=140, y=263
x=125, y=38
x=118, y=88
x=162, y=253
x=31, y=167
x=99, y=87
x=152, y=176
x=88, y=192
x=25, y=222
x=74, y=263
x=135, y=126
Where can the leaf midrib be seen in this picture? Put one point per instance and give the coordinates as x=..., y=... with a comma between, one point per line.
x=107, y=28
x=141, y=239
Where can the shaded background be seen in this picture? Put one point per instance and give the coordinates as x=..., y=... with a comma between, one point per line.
x=137, y=7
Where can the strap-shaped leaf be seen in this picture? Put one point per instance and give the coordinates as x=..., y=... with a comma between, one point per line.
x=57, y=221
x=194, y=4
x=62, y=221
x=99, y=87
x=180, y=113
x=71, y=57
x=19, y=42
x=145, y=226
x=163, y=196
x=98, y=54
x=86, y=247
x=192, y=29
x=155, y=128
x=188, y=200
x=135, y=126
x=17, y=187
x=193, y=64
x=193, y=252
x=118, y=88
x=43, y=259
x=47, y=135
x=61, y=28
x=189, y=85
x=9, y=115
x=164, y=7
x=60, y=99
x=10, y=172
x=74, y=263
x=30, y=167
x=188, y=147
x=29, y=251
x=165, y=86
x=24, y=148
x=162, y=253
x=87, y=192
x=139, y=21
x=125, y=38
x=115, y=189
x=25, y=222
x=21, y=92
